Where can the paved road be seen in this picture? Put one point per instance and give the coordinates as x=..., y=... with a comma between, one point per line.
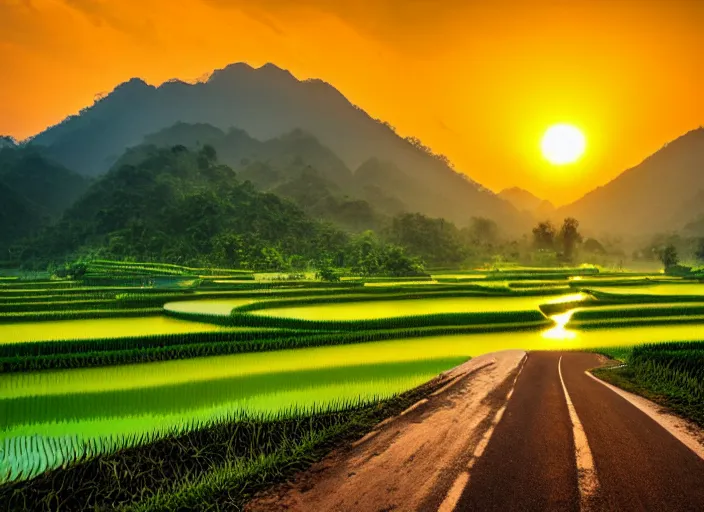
x=535, y=434
x=530, y=462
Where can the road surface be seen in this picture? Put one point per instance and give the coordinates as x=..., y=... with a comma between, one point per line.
x=512, y=432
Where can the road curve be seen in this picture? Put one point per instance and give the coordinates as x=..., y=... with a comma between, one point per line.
x=518, y=455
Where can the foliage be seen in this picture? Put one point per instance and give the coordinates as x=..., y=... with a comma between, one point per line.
x=328, y=274
x=699, y=251
x=436, y=241
x=670, y=373
x=201, y=465
x=33, y=192
x=544, y=236
x=369, y=256
x=482, y=231
x=569, y=237
x=182, y=207
x=668, y=256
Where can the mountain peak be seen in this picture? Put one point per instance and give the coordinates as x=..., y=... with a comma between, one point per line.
x=240, y=70
x=133, y=84
x=518, y=193
x=523, y=200
x=274, y=70
x=233, y=70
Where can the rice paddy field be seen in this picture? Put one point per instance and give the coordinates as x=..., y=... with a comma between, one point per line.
x=137, y=356
x=98, y=328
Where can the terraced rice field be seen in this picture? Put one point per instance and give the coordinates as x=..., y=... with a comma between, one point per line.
x=96, y=405
x=654, y=289
x=104, y=406
x=221, y=307
x=372, y=310
x=82, y=411
x=98, y=328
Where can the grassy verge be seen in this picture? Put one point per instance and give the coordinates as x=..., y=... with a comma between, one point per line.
x=216, y=467
x=670, y=374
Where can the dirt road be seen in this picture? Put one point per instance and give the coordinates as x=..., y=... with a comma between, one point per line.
x=510, y=432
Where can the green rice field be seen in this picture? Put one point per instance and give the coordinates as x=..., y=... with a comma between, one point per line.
x=258, y=349
x=391, y=309
x=222, y=307
x=98, y=328
x=655, y=289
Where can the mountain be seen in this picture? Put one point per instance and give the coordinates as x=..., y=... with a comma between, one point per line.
x=660, y=194
x=524, y=201
x=7, y=142
x=181, y=206
x=17, y=219
x=288, y=154
x=266, y=103
x=34, y=191
x=48, y=186
x=295, y=166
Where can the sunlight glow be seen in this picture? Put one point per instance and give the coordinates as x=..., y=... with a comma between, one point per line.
x=559, y=331
x=563, y=144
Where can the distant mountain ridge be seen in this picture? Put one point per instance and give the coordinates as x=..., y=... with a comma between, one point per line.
x=662, y=193
x=525, y=201
x=266, y=103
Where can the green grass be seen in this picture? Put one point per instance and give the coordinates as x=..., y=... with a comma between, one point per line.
x=671, y=374
x=95, y=414
x=216, y=466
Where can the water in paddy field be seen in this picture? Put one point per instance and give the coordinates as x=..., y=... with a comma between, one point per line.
x=371, y=310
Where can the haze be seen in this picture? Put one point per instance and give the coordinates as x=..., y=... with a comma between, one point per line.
x=477, y=82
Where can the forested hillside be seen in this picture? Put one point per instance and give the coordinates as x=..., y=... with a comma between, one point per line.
x=34, y=191
x=298, y=167
x=181, y=206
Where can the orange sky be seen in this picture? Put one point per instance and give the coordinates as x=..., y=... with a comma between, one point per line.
x=477, y=80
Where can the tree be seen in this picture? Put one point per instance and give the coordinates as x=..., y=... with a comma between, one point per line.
x=699, y=251
x=570, y=237
x=483, y=231
x=544, y=235
x=436, y=241
x=397, y=263
x=327, y=273
x=207, y=156
x=668, y=256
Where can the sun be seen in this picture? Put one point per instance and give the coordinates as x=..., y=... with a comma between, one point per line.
x=563, y=144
